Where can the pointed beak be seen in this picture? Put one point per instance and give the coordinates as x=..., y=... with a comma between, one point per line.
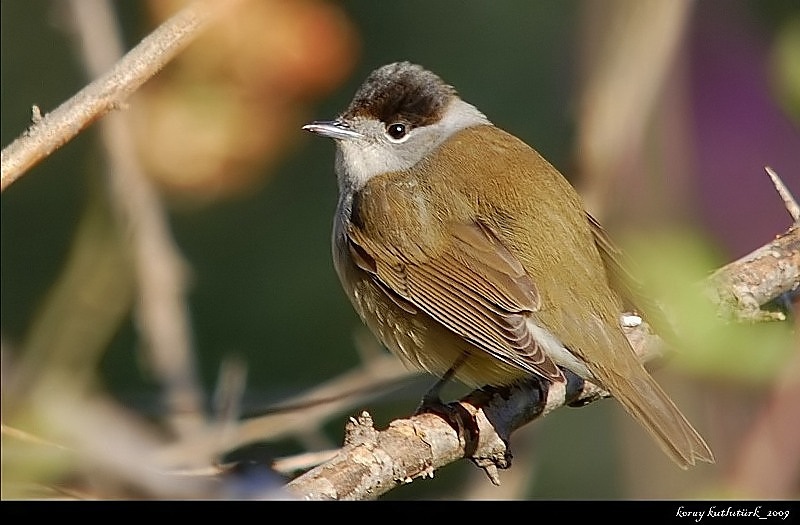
x=333, y=129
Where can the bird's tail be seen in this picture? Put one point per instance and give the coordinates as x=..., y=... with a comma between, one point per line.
x=649, y=405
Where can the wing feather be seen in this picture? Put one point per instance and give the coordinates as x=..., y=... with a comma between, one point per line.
x=626, y=284
x=474, y=287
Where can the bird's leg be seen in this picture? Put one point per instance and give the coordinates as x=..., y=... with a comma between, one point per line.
x=460, y=419
x=432, y=398
x=574, y=386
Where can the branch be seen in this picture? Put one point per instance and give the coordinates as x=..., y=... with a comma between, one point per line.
x=161, y=311
x=373, y=462
x=53, y=130
x=739, y=289
x=336, y=396
x=788, y=200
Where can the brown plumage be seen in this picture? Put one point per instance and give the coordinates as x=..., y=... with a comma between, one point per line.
x=481, y=248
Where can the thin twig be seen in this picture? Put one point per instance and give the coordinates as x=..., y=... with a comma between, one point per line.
x=108, y=92
x=788, y=199
x=375, y=377
x=299, y=462
x=28, y=437
x=161, y=309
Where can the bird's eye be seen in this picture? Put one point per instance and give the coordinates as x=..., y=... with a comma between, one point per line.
x=396, y=131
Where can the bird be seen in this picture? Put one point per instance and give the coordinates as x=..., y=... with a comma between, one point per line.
x=469, y=255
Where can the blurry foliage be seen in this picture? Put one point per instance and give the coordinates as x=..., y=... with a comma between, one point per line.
x=786, y=67
x=222, y=114
x=673, y=263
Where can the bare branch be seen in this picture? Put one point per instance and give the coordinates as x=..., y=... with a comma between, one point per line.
x=161, y=309
x=336, y=396
x=108, y=92
x=741, y=287
x=788, y=200
x=373, y=462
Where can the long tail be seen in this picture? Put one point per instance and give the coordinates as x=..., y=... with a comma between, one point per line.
x=650, y=406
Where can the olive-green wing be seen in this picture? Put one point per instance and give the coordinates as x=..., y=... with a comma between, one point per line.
x=473, y=286
x=625, y=283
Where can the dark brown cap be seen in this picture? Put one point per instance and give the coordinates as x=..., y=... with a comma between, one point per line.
x=401, y=92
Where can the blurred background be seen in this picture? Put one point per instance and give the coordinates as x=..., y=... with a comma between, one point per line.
x=159, y=287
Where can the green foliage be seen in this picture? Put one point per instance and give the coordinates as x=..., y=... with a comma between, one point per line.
x=673, y=264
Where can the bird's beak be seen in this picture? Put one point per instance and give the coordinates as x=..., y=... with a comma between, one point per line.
x=333, y=129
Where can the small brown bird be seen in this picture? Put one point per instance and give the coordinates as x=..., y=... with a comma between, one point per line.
x=463, y=249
